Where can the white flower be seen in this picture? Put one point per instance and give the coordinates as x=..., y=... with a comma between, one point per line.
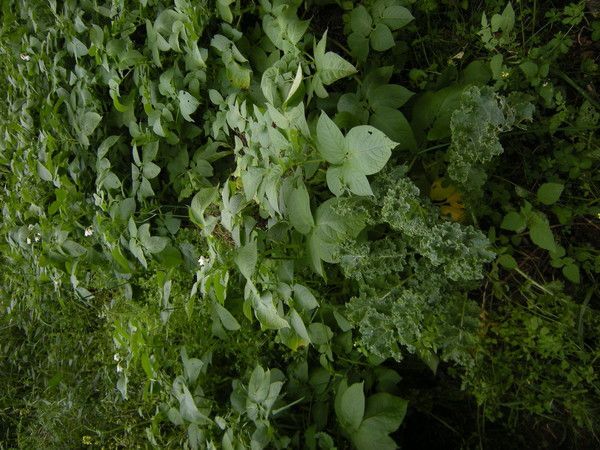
x=202, y=261
x=37, y=237
x=88, y=231
x=117, y=357
x=28, y=240
x=119, y=368
x=25, y=56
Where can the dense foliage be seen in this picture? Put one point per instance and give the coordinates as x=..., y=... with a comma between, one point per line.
x=299, y=224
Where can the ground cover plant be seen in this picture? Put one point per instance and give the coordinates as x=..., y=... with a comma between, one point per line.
x=299, y=224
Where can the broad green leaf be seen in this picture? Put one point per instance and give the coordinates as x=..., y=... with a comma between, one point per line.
x=266, y=313
x=330, y=140
x=105, y=146
x=227, y=319
x=89, y=122
x=298, y=209
x=137, y=251
x=359, y=45
x=295, y=84
x=384, y=413
x=43, y=173
x=394, y=125
x=382, y=38
x=298, y=326
x=507, y=261
x=304, y=298
x=335, y=180
x=150, y=170
x=361, y=21
x=246, y=259
x=73, y=248
x=388, y=95
x=331, y=66
x=396, y=17
x=571, y=273
x=513, y=221
x=541, y=234
x=187, y=105
x=549, y=193
x=154, y=244
x=203, y=198
x=368, y=149
x=258, y=386
x=351, y=407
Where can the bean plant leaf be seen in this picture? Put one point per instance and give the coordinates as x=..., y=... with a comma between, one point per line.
x=330, y=140
x=331, y=66
x=541, y=234
x=549, y=193
x=246, y=259
x=350, y=406
x=382, y=38
x=187, y=105
x=299, y=209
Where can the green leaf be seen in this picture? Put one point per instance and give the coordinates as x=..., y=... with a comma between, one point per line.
x=350, y=408
x=513, y=221
x=507, y=261
x=359, y=45
x=541, y=234
x=331, y=66
x=246, y=259
x=258, y=386
x=187, y=105
x=89, y=122
x=266, y=313
x=394, y=125
x=368, y=149
x=298, y=326
x=203, y=198
x=361, y=21
x=304, y=298
x=571, y=273
x=43, y=173
x=298, y=208
x=388, y=95
x=330, y=140
x=150, y=170
x=295, y=84
x=154, y=244
x=396, y=17
x=382, y=38
x=383, y=415
x=227, y=319
x=549, y=193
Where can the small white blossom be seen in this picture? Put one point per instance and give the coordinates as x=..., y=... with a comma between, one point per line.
x=202, y=261
x=88, y=231
x=25, y=56
x=119, y=368
x=37, y=237
x=28, y=240
x=116, y=357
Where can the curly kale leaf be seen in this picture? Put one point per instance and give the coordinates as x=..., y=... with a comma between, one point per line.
x=475, y=127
